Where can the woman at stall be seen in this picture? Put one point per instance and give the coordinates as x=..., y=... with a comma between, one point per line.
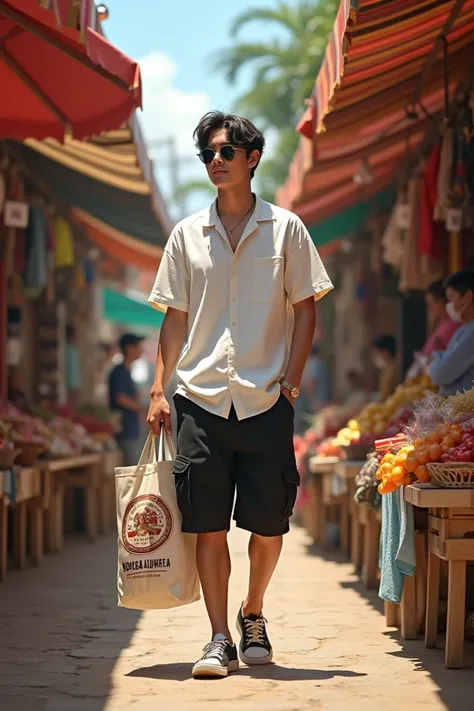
x=453, y=369
x=442, y=325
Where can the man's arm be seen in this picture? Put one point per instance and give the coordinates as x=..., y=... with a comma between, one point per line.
x=128, y=403
x=303, y=332
x=172, y=336
x=448, y=366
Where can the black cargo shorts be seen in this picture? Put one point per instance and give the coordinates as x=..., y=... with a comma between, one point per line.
x=250, y=462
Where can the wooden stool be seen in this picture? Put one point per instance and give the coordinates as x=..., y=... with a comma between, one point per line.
x=447, y=541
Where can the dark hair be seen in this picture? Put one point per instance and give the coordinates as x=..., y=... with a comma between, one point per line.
x=461, y=281
x=240, y=131
x=437, y=291
x=70, y=332
x=386, y=343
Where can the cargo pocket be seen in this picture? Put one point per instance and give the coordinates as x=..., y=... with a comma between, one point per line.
x=182, y=475
x=291, y=479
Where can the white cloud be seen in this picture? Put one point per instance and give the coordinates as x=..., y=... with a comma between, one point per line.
x=170, y=111
x=167, y=109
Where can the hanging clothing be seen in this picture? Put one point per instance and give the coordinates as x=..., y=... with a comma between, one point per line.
x=64, y=243
x=430, y=231
x=36, y=271
x=392, y=243
x=443, y=202
x=417, y=271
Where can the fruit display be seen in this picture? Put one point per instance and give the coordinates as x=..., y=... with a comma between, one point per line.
x=375, y=418
x=448, y=443
x=393, y=472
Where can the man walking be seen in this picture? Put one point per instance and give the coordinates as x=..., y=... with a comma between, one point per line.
x=124, y=398
x=239, y=281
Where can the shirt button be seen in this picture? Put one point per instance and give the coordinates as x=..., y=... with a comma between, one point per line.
x=234, y=272
x=234, y=299
x=231, y=371
x=234, y=323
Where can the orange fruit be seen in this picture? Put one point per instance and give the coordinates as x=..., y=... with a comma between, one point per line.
x=422, y=474
x=398, y=474
x=423, y=456
x=389, y=457
x=456, y=435
x=435, y=451
x=411, y=463
x=406, y=481
x=387, y=487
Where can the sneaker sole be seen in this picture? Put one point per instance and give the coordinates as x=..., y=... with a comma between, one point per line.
x=251, y=661
x=209, y=671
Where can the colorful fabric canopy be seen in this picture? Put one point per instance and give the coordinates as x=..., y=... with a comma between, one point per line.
x=116, y=158
x=358, y=110
x=123, y=210
x=56, y=79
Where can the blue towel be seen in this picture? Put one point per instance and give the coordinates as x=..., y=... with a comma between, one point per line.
x=397, y=545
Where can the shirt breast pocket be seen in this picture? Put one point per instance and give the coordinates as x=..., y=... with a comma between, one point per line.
x=268, y=279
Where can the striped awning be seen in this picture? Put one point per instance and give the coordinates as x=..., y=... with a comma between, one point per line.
x=373, y=71
x=116, y=158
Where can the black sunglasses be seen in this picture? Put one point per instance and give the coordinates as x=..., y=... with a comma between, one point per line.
x=227, y=153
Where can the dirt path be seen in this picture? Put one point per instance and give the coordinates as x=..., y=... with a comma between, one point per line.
x=66, y=647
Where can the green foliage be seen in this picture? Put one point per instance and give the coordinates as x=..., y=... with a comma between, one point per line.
x=284, y=71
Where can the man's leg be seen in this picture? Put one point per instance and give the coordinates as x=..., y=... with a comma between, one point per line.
x=264, y=553
x=205, y=487
x=267, y=481
x=213, y=562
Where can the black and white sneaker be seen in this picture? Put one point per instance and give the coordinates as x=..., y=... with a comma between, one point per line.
x=254, y=647
x=219, y=659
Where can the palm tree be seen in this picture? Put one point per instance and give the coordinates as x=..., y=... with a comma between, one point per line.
x=285, y=68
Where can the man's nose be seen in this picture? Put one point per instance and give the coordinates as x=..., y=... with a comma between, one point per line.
x=217, y=158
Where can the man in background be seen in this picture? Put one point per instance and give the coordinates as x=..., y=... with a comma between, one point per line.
x=124, y=398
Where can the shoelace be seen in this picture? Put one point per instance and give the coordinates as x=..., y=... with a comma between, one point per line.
x=214, y=649
x=255, y=630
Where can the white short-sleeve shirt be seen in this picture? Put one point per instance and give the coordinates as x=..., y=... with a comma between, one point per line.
x=239, y=305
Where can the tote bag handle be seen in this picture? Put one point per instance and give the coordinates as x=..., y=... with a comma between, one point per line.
x=166, y=449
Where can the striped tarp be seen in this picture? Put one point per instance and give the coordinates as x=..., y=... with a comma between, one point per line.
x=358, y=108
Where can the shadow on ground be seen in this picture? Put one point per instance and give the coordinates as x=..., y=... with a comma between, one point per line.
x=62, y=631
x=454, y=686
x=182, y=672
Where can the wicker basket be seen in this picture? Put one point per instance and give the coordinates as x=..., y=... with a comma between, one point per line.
x=452, y=475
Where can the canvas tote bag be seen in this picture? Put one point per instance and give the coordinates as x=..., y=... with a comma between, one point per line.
x=156, y=562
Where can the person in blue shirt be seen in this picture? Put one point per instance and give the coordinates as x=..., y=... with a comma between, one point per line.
x=453, y=369
x=123, y=397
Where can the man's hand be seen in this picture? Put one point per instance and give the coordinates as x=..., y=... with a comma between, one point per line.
x=286, y=393
x=159, y=414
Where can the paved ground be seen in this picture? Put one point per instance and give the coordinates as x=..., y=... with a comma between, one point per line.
x=64, y=646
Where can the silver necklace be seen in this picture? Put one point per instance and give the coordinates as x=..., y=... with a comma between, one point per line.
x=229, y=233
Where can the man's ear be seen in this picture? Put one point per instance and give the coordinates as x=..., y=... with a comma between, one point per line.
x=254, y=159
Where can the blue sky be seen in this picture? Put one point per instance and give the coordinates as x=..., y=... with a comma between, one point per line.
x=174, y=41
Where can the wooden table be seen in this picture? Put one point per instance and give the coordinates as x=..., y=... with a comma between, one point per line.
x=319, y=467
x=350, y=512
x=26, y=503
x=83, y=471
x=450, y=538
